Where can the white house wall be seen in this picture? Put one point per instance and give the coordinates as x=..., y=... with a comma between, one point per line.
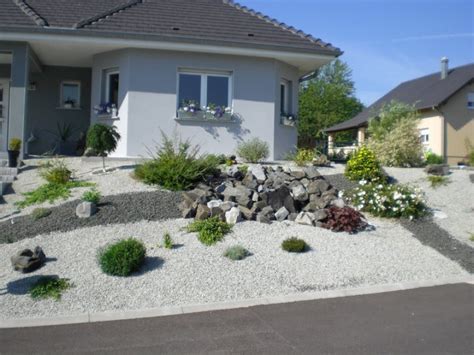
x=148, y=96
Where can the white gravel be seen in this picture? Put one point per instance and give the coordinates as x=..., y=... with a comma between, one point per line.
x=112, y=183
x=453, y=203
x=196, y=274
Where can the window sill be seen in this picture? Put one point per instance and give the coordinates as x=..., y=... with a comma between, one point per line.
x=107, y=117
x=205, y=120
x=202, y=116
x=69, y=108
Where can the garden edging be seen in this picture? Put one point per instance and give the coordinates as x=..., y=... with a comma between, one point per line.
x=177, y=310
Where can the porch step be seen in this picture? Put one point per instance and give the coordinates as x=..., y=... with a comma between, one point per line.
x=8, y=171
x=3, y=187
x=7, y=178
x=3, y=162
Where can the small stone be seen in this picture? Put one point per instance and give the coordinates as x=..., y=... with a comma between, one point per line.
x=305, y=218
x=281, y=214
x=250, y=181
x=298, y=174
x=218, y=212
x=227, y=205
x=233, y=215
x=203, y=212
x=292, y=216
x=188, y=213
x=299, y=192
x=214, y=203
x=320, y=215
x=311, y=172
x=259, y=173
x=263, y=219
x=248, y=214
x=86, y=209
x=338, y=202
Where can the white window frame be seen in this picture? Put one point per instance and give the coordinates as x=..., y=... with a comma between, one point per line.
x=470, y=100
x=204, y=75
x=286, y=104
x=108, y=74
x=61, y=97
x=425, y=132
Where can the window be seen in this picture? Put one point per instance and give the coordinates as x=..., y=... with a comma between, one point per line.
x=204, y=89
x=470, y=100
x=424, y=136
x=112, y=80
x=70, y=96
x=285, y=97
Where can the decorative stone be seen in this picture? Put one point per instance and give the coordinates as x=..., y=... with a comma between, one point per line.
x=203, y=212
x=218, y=212
x=338, y=202
x=247, y=213
x=259, y=173
x=320, y=215
x=233, y=215
x=263, y=219
x=305, y=218
x=292, y=216
x=234, y=172
x=214, y=203
x=298, y=174
x=227, y=205
x=299, y=192
x=437, y=169
x=281, y=214
x=188, y=213
x=86, y=209
x=311, y=172
x=28, y=260
x=250, y=181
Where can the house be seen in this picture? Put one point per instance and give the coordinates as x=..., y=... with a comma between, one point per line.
x=445, y=101
x=211, y=70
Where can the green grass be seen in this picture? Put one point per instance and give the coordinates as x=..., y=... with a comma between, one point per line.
x=210, y=231
x=49, y=287
x=51, y=192
x=437, y=181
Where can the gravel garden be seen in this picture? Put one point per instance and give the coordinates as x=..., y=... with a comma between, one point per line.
x=183, y=228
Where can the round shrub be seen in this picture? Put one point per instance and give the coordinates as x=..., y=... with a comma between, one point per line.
x=345, y=219
x=102, y=139
x=304, y=156
x=92, y=196
x=123, y=257
x=236, y=253
x=55, y=172
x=210, y=231
x=294, y=245
x=363, y=165
x=253, y=151
x=432, y=158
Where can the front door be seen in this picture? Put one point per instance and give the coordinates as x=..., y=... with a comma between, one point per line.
x=4, y=91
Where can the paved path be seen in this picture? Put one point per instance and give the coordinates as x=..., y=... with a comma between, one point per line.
x=436, y=320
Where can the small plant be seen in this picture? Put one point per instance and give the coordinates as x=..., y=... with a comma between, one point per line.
x=432, y=158
x=294, y=245
x=391, y=201
x=304, y=156
x=102, y=139
x=168, y=241
x=243, y=169
x=363, y=165
x=236, y=252
x=49, y=287
x=253, y=151
x=50, y=192
x=39, y=213
x=345, y=219
x=471, y=237
x=15, y=144
x=123, y=257
x=176, y=165
x=210, y=231
x=92, y=196
x=437, y=181
x=55, y=172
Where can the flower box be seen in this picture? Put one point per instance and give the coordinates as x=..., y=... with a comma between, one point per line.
x=191, y=115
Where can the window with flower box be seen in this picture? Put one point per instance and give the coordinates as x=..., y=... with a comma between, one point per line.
x=204, y=95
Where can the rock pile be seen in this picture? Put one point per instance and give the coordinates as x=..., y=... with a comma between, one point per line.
x=263, y=194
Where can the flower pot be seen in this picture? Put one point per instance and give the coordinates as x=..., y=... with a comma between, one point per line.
x=13, y=158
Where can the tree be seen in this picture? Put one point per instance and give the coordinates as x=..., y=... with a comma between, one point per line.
x=103, y=140
x=326, y=100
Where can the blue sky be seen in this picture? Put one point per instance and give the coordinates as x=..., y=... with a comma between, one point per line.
x=385, y=42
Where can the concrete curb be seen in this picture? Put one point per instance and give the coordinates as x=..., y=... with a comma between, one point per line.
x=178, y=310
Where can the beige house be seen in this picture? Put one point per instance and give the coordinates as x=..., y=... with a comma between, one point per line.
x=445, y=102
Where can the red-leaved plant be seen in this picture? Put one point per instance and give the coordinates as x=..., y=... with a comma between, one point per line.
x=345, y=219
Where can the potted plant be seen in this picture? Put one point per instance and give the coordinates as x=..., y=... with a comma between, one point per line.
x=190, y=110
x=215, y=112
x=288, y=119
x=14, y=152
x=69, y=103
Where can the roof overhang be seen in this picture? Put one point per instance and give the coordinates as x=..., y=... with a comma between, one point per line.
x=68, y=47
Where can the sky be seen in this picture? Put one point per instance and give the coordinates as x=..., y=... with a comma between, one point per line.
x=385, y=42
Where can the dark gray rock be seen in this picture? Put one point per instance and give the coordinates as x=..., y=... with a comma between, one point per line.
x=27, y=260
x=311, y=172
x=320, y=215
x=437, y=169
x=263, y=219
x=297, y=174
x=247, y=213
x=305, y=218
x=203, y=212
x=292, y=216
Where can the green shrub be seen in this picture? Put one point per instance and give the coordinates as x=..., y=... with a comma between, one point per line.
x=394, y=135
x=432, y=158
x=304, y=156
x=210, y=231
x=49, y=287
x=91, y=196
x=363, y=165
x=176, y=166
x=168, y=241
x=39, y=213
x=470, y=151
x=253, y=151
x=391, y=201
x=123, y=257
x=294, y=245
x=50, y=193
x=102, y=139
x=236, y=252
x=55, y=172
x=15, y=144
x=437, y=181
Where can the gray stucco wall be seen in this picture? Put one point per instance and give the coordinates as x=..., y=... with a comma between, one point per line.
x=147, y=95
x=44, y=110
x=5, y=71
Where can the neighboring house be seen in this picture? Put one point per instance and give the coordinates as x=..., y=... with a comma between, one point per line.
x=446, y=104
x=151, y=59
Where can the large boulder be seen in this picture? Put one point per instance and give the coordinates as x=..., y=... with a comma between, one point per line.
x=437, y=169
x=28, y=260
